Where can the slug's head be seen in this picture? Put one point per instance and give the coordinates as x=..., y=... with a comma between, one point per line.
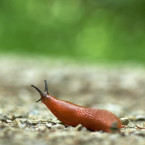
x=43, y=95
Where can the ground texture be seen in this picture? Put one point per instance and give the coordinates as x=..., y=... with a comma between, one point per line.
x=120, y=89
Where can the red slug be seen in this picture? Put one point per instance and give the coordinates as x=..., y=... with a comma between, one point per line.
x=71, y=114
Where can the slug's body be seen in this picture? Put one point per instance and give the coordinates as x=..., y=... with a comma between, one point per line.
x=71, y=114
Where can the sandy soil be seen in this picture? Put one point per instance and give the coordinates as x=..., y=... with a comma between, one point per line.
x=120, y=89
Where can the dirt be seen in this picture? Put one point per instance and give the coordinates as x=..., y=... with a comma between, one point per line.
x=119, y=89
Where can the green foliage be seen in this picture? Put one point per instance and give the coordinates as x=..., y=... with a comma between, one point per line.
x=99, y=30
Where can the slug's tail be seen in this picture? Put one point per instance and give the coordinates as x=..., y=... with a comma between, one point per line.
x=115, y=127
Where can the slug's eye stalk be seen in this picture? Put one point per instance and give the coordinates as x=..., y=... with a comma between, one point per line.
x=43, y=95
x=46, y=87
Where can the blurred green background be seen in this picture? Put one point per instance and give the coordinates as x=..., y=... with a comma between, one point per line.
x=105, y=30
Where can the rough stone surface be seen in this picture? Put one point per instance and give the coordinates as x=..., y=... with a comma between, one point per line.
x=120, y=89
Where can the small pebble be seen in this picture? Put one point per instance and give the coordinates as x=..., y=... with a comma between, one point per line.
x=59, y=126
x=21, y=125
x=19, y=116
x=80, y=127
x=41, y=128
x=124, y=121
x=49, y=125
x=34, y=122
x=8, y=121
x=140, y=118
x=23, y=120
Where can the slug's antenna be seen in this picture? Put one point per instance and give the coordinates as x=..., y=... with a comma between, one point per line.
x=46, y=87
x=41, y=94
x=37, y=90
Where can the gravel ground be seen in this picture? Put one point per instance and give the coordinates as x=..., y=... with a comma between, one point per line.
x=120, y=89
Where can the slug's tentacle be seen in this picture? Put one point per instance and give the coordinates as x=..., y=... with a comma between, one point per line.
x=41, y=94
x=46, y=87
x=38, y=100
x=37, y=90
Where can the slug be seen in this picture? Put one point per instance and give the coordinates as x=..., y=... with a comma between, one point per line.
x=72, y=114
